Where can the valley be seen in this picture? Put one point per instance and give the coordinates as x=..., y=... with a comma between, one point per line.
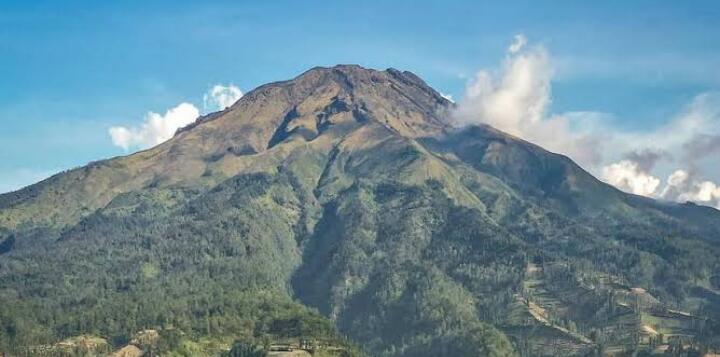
x=341, y=209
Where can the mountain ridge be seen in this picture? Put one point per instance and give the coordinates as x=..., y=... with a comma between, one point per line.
x=348, y=191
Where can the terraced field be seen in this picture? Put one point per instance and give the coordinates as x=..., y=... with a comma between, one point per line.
x=535, y=319
x=617, y=318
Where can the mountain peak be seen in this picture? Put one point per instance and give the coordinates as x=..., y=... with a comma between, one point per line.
x=357, y=72
x=398, y=100
x=344, y=189
x=353, y=75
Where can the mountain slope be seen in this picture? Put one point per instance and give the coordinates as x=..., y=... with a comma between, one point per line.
x=347, y=190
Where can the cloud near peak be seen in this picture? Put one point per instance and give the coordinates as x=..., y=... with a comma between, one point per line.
x=220, y=97
x=157, y=128
x=516, y=95
x=627, y=176
x=516, y=98
x=683, y=186
x=687, y=144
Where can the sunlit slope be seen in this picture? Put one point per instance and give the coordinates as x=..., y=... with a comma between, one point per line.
x=347, y=190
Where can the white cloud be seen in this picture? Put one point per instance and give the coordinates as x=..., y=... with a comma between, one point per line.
x=627, y=176
x=448, y=97
x=155, y=129
x=677, y=178
x=516, y=99
x=683, y=186
x=706, y=191
x=680, y=186
x=519, y=41
x=689, y=136
x=515, y=96
x=220, y=97
x=679, y=135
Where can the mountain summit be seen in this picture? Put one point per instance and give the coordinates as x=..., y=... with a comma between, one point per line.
x=345, y=199
x=320, y=106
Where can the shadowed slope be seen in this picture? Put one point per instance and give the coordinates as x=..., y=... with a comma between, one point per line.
x=346, y=189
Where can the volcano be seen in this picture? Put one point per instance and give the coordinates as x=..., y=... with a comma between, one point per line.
x=344, y=206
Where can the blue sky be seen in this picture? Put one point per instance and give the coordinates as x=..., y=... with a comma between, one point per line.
x=70, y=70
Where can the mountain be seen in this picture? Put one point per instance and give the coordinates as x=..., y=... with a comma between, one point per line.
x=342, y=206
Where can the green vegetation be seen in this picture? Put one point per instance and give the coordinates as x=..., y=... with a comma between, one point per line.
x=338, y=231
x=212, y=284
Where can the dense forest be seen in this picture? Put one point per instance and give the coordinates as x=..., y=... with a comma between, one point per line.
x=343, y=227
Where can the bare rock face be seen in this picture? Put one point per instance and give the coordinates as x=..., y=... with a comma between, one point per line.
x=348, y=190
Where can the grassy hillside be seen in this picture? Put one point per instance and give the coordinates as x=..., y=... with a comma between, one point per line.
x=340, y=206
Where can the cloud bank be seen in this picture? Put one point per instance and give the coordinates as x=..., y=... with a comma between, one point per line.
x=683, y=186
x=687, y=144
x=628, y=176
x=516, y=98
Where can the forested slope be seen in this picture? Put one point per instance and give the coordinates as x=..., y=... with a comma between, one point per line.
x=342, y=205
